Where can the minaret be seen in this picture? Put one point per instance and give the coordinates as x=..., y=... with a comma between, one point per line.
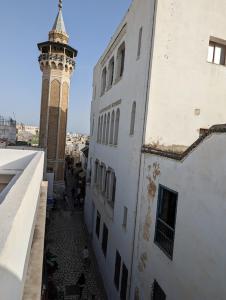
x=57, y=63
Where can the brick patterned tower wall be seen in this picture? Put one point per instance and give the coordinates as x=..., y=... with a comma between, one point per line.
x=57, y=63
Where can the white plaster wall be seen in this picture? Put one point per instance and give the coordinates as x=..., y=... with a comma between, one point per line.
x=197, y=270
x=124, y=158
x=18, y=216
x=181, y=78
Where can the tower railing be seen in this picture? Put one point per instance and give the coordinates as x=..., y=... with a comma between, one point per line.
x=56, y=57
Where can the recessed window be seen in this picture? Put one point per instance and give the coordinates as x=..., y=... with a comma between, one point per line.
x=98, y=224
x=166, y=220
x=112, y=127
x=139, y=43
x=117, y=269
x=157, y=292
x=133, y=118
x=216, y=53
x=111, y=69
x=101, y=128
x=105, y=240
x=124, y=281
x=96, y=171
x=98, y=131
x=120, y=61
x=116, y=127
x=104, y=130
x=113, y=187
x=108, y=128
x=103, y=81
x=124, y=223
x=103, y=178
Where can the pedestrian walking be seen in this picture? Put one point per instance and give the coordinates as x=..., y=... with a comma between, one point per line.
x=85, y=254
x=81, y=284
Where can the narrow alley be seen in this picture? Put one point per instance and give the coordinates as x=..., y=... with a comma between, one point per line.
x=66, y=239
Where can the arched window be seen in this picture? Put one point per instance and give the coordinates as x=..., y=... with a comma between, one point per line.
x=133, y=118
x=107, y=130
x=103, y=179
x=112, y=127
x=98, y=131
x=116, y=127
x=96, y=172
x=120, y=61
x=101, y=128
x=111, y=68
x=103, y=81
x=104, y=129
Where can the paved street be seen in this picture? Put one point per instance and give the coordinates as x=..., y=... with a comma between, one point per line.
x=66, y=238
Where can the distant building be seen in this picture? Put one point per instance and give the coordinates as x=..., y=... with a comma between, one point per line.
x=26, y=133
x=23, y=195
x=34, y=130
x=7, y=131
x=57, y=63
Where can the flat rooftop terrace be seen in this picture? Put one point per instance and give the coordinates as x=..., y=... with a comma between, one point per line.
x=21, y=182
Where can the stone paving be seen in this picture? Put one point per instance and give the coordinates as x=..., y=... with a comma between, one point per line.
x=66, y=238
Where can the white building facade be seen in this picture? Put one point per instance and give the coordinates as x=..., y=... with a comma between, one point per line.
x=160, y=82
x=23, y=196
x=180, y=236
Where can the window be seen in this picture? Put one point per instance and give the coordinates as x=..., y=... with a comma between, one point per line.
x=108, y=180
x=113, y=179
x=104, y=130
x=103, y=81
x=124, y=280
x=98, y=131
x=96, y=172
x=120, y=61
x=105, y=240
x=216, y=53
x=107, y=130
x=101, y=128
x=112, y=127
x=133, y=117
x=98, y=224
x=116, y=127
x=117, y=269
x=100, y=177
x=139, y=43
x=166, y=220
x=111, y=72
x=103, y=178
x=125, y=217
x=157, y=292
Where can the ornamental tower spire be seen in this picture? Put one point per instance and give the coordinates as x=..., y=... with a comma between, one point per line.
x=58, y=32
x=57, y=63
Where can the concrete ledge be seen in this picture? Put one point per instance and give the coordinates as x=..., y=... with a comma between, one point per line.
x=33, y=283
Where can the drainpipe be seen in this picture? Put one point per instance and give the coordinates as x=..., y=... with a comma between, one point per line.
x=143, y=139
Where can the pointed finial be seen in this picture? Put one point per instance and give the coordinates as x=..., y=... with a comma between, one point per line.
x=60, y=5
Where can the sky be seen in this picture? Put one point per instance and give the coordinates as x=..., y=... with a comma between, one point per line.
x=90, y=25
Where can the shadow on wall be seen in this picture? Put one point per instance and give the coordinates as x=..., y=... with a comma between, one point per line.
x=11, y=287
x=18, y=164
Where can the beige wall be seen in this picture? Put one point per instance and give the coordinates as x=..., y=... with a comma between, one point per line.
x=181, y=79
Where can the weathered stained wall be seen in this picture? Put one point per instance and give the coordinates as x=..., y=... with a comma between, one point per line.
x=198, y=267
